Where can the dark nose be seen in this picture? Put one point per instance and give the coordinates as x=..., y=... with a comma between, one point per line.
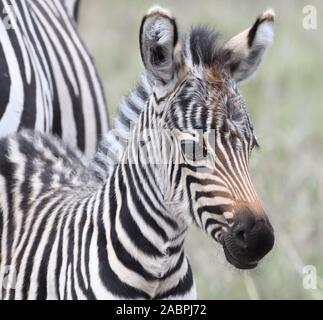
x=252, y=235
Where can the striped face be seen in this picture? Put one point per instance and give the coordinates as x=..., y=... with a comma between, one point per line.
x=196, y=98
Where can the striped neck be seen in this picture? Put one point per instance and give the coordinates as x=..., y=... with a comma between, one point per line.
x=147, y=244
x=147, y=237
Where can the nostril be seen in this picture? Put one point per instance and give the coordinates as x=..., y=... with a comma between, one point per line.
x=241, y=237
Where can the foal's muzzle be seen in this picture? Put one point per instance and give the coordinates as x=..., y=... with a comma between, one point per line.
x=249, y=239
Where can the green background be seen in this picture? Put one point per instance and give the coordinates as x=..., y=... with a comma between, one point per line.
x=285, y=100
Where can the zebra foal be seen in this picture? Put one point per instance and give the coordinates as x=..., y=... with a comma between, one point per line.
x=67, y=233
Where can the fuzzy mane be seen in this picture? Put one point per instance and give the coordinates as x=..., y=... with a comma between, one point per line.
x=203, y=47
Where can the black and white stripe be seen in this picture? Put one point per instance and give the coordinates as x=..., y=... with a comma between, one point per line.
x=48, y=80
x=112, y=145
x=69, y=237
x=67, y=232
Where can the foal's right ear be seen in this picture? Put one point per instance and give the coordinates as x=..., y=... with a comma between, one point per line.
x=158, y=40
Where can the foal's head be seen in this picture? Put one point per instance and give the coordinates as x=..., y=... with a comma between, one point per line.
x=207, y=129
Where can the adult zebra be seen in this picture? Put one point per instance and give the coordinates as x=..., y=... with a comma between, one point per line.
x=65, y=235
x=48, y=80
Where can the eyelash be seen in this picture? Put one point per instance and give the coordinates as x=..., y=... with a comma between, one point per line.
x=255, y=143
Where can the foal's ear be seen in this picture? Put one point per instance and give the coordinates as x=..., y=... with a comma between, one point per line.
x=158, y=40
x=247, y=48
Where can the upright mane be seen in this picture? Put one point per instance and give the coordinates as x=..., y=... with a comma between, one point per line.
x=112, y=144
x=202, y=46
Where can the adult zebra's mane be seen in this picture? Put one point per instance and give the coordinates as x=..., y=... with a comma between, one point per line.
x=200, y=47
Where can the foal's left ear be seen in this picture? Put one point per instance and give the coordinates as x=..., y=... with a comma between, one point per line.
x=247, y=48
x=158, y=40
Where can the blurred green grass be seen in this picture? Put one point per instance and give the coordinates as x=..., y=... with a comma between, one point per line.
x=285, y=100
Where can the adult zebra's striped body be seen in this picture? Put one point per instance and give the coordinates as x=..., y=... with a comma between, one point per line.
x=65, y=234
x=48, y=80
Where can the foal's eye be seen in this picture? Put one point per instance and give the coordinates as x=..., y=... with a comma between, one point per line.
x=194, y=151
